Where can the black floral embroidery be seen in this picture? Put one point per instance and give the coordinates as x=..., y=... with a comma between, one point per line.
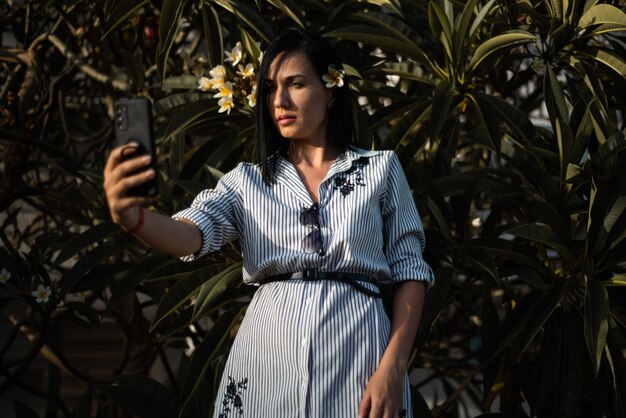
x=232, y=397
x=403, y=413
x=352, y=177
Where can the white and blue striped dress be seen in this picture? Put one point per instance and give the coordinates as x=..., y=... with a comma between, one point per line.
x=308, y=348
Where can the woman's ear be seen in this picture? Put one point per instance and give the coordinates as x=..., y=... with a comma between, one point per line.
x=331, y=98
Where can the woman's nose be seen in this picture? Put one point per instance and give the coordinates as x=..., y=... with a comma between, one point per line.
x=281, y=97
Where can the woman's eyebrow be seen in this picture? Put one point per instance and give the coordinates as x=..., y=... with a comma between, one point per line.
x=288, y=78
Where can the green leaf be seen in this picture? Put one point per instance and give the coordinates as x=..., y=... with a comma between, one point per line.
x=602, y=14
x=545, y=235
x=616, y=347
x=615, y=281
x=185, y=287
x=393, y=5
x=607, y=58
x=250, y=45
x=442, y=103
x=497, y=43
x=120, y=13
x=487, y=124
x=614, y=145
x=555, y=99
x=176, y=100
x=479, y=18
x=177, y=147
x=405, y=129
x=92, y=258
x=461, y=37
x=514, y=118
x=406, y=70
x=86, y=239
x=142, y=396
x=434, y=303
x=212, y=28
x=509, y=249
x=213, y=289
x=190, y=115
x=379, y=38
x=187, y=82
x=440, y=26
x=199, y=363
x=250, y=17
x=169, y=21
x=596, y=326
x=289, y=8
x=530, y=320
x=391, y=25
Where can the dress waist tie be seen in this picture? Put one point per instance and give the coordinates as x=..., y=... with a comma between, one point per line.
x=354, y=279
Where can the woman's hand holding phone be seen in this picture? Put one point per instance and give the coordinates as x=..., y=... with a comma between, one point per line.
x=121, y=174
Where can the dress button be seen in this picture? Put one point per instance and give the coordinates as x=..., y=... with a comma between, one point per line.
x=303, y=342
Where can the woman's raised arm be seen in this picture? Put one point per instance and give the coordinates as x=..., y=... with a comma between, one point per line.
x=175, y=237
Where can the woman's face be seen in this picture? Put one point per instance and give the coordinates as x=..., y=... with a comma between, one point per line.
x=297, y=99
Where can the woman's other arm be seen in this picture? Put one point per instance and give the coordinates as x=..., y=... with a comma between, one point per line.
x=383, y=394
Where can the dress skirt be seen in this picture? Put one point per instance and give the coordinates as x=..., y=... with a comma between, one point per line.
x=305, y=349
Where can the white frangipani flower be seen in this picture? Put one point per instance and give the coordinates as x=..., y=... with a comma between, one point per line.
x=219, y=71
x=225, y=90
x=235, y=55
x=226, y=104
x=252, y=97
x=42, y=293
x=205, y=84
x=334, y=77
x=4, y=276
x=247, y=71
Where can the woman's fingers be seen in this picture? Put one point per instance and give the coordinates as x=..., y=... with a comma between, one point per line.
x=120, y=176
x=365, y=404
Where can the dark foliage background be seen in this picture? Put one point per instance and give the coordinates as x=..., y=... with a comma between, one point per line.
x=508, y=117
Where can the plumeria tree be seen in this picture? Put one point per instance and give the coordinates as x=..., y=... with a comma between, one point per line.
x=508, y=117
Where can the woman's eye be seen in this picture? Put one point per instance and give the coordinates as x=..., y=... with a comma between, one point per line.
x=296, y=85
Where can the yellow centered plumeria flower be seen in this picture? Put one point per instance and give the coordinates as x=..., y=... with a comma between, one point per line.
x=235, y=55
x=219, y=71
x=334, y=77
x=226, y=104
x=218, y=76
x=252, y=97
x=205, y=84
x=247, y=71
x=42, y=293
x=225, y=90
x=4, y=276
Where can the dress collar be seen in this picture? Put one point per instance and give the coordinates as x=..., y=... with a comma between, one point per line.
x=345, y=160
x=287, y=175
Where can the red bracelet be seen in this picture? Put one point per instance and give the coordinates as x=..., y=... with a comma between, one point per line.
x=139, y=224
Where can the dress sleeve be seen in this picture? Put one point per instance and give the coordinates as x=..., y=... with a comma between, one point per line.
x=214, y=212
x=403, y=230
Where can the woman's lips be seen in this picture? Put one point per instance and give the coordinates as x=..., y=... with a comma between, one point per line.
x=285, y=120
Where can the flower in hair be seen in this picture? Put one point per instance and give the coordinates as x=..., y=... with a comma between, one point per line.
x=334, y=77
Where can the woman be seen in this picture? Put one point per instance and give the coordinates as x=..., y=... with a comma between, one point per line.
x=321, y=223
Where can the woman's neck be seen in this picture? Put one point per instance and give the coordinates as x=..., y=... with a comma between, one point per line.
x=309, y=155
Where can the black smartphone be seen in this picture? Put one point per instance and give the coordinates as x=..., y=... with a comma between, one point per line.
x=133, y=123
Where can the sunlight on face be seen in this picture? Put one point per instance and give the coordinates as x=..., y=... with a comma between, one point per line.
x=297, y=99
